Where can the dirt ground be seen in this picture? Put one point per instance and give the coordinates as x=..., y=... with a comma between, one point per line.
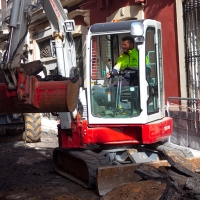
x=27, y=173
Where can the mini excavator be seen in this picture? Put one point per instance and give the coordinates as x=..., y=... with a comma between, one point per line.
x=102, y=124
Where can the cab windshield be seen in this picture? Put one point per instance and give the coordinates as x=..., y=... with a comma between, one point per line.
x=117, y=96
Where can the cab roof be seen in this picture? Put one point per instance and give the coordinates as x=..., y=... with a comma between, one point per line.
x=120, y=26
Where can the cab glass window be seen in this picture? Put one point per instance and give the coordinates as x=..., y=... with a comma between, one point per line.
x=110, y=98
x=151, y=71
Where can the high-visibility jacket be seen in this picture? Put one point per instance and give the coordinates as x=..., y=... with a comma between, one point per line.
x=129, y=59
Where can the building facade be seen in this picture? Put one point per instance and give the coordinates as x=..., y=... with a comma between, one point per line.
x=88, y=12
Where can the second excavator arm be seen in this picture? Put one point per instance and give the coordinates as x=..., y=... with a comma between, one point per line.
x=22, y=93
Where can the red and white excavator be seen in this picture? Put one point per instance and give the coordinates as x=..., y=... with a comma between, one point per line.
x=118, y=122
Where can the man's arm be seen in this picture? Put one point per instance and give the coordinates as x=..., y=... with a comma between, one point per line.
x=116, y=68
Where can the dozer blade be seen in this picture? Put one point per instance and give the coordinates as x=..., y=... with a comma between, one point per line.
x=110, y=177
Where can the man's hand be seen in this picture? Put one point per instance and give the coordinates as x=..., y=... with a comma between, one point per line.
x=108, y=75
x=114, y=72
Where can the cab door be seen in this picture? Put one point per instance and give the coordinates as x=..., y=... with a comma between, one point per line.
x=154, y=71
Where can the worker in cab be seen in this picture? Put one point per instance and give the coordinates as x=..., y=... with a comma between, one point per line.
x=127, y=63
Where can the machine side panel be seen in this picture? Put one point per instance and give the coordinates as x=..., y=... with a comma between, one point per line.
x=84, y=136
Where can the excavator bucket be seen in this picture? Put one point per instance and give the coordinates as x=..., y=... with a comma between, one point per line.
x=33, y=96
x=110, y=177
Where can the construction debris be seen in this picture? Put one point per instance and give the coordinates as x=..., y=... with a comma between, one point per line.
x=137, y=191
x=180, y=163
x=32, y=68
x=178, y=181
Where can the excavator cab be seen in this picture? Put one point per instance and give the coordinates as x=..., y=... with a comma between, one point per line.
x=142, y=100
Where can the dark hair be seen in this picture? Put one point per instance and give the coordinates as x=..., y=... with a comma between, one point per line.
x=130, y=38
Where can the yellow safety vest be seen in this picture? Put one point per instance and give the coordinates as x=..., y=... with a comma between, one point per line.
x=127, y=60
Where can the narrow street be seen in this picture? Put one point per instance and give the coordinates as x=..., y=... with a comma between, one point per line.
x=27, y=172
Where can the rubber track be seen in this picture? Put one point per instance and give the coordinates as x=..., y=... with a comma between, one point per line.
x=33, y=127
x=92, y=160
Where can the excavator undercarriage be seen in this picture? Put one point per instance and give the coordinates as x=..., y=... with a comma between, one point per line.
x=107, y=169
x=87, y=154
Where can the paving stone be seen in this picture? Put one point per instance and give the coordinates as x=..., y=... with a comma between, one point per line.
x=180, y=163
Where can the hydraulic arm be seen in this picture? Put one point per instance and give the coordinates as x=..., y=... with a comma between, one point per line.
x=23, y=92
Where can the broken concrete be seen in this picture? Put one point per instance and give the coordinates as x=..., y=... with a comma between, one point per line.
x=177, y=182
x=32, y=68
x=180, y=179
x=149, y=172
x=180, y=163
x=171, y=194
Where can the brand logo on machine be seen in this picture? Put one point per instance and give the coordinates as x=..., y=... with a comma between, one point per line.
x=167, y=127
x=55, y=9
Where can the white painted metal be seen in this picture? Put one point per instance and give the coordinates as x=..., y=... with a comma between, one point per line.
x=65, y=49
x=143, y=118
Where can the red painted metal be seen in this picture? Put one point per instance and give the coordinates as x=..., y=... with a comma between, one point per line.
x=35, y=96
x=165, y=12
x=139, y=1
x=101, y=4
x=82, y=134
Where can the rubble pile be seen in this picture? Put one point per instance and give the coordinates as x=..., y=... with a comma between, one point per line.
x=178, y=181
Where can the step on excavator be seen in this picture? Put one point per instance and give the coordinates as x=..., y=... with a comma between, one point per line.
x=104, y=127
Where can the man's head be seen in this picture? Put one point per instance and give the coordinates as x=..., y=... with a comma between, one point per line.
x=128, y=43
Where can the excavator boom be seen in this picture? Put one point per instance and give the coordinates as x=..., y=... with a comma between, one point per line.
x=22, y=92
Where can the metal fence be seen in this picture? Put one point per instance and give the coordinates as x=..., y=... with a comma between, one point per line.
x=186, y=121
x=191, y=17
